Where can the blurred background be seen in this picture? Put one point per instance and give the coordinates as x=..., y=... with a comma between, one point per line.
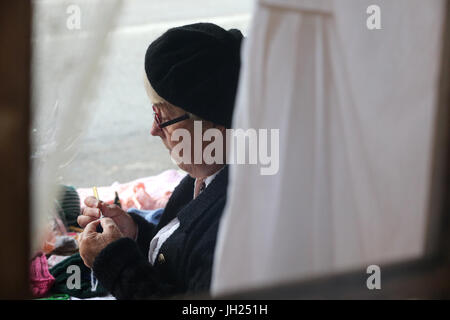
x=116, y=144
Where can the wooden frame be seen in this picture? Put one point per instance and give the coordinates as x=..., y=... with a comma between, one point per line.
x=15, y=54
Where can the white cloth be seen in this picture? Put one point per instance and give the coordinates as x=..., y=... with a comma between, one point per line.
x=210, y=178
x=354, y=108
x=161, y=237
x=166, y=231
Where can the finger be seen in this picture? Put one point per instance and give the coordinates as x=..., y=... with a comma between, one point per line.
x=110, y=210
x=92, y=227
x=107, y=222
x=108, y=225
x=79, y=237
x=91, y=212
x=84, y=220
x=91, y=202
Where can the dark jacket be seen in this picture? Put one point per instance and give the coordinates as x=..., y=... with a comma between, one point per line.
x=184, y=262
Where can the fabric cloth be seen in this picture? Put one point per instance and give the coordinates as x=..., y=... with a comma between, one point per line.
x=54, y=259
x=199, y=186
x=62, y=296
x=61, y=273
x=152, y=216
x=40, y=278
x=108, y=297
x=210, y=178
x=148, y=193
x=158, y=240
x=196, y=67
x=161, y=237
x=354, y=108
x=65, y=245
x=186, y=258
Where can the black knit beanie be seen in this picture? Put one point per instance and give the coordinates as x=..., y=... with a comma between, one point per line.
x=196, y=67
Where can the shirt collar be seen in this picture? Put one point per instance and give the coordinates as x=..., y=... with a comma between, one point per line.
x=214, y=193
x=210, y=178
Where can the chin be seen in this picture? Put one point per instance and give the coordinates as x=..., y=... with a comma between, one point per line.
x=187, y=168
x=184, y=167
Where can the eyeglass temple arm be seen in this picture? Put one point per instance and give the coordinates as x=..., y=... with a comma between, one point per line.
x=168, y=123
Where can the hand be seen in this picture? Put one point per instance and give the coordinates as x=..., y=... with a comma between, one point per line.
x=122, y=219
x=91, y=242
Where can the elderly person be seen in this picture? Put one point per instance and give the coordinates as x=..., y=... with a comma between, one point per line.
x=191, y=75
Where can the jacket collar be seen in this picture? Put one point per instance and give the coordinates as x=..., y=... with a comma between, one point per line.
x=182, y=205
x=216, y=190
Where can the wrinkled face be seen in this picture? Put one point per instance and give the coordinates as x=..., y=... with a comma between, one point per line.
x=167, y=112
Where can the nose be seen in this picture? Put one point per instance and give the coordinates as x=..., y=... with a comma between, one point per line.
x=155, y=131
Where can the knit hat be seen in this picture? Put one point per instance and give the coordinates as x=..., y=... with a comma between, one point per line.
x=196, y=68
x=68, y=205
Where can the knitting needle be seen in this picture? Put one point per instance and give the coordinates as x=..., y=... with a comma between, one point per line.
x=99, y=227
x=95, y=192
x=94, y=281
x=96, y=197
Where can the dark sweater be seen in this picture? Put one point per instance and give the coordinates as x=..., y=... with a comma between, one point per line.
x=185, y=259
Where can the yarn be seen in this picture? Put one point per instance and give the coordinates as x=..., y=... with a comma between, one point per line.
x=85, y=290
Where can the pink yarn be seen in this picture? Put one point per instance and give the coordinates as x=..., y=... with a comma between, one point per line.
x=40, y=277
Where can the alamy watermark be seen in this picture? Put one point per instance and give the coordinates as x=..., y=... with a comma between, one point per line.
x=239, y=146
x=73, y=281
x=374, y=280
x=73, y=21
x=373, y=22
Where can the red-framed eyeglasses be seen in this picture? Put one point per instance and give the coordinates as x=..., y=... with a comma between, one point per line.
x=167, y=123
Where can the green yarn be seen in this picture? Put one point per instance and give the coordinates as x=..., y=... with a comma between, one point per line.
x=56, y=297
x=61, y=274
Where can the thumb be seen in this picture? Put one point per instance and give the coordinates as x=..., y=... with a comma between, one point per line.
x=108, y=225
x=92, y=227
